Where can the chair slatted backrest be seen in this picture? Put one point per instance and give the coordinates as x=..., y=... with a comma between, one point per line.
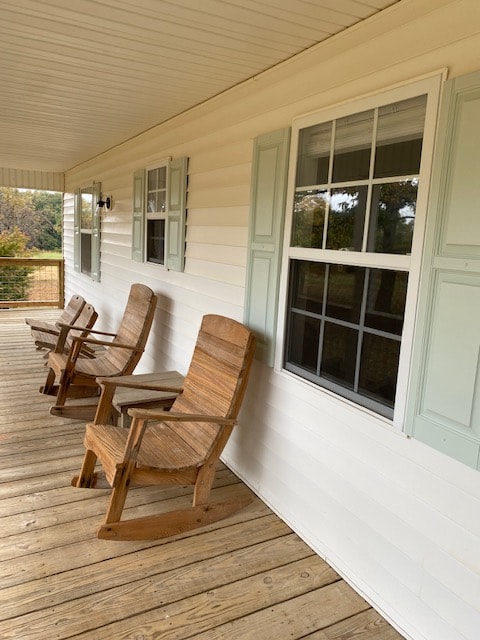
x=72, y=310
x=68, y=316
x=85, y=320
x=133, y=330
x=216, y=379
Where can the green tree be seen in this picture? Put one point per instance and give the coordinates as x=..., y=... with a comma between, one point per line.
x=48, y=207
x=14, y=281
x=37, y=214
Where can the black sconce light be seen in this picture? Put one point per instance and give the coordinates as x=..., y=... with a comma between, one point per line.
x=105, y=202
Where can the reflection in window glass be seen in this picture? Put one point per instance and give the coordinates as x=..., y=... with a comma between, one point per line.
x=156, y=189
x=308, y=284
x=304, y=337
x=314, y=154
x=379, y=367
x=344, y=328
x=345, y=292
x=309, y=218
x=346, y=218
x=156, y=241
x=399, y=138
x=86, y=210
x=353, y=144
x=387, y=292
x=392, y=217
x=337, y=362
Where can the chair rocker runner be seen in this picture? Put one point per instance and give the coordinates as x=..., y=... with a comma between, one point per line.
x=181, y=446
x=122, y=351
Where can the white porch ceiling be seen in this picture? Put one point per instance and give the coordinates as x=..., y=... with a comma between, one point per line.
x=79, y=77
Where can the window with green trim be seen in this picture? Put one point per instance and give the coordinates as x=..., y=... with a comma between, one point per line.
x=353, y=212
x=159, y=214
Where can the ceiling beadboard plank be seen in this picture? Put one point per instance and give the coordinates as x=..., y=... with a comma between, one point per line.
x=78, y=78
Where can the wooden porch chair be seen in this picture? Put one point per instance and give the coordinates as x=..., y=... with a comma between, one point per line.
x=45, y=334
x=81, y=328
x=180, y=446
x=122, y=351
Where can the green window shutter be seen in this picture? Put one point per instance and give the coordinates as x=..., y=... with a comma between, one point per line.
x=76, y=231
x=444, y=407
x=96, y=224
x=138, y=228
x=176, y=214
x=267, y=214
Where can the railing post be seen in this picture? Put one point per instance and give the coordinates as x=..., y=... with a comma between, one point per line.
x=61, y=284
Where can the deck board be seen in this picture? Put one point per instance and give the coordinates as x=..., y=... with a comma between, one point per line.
x=248, y=577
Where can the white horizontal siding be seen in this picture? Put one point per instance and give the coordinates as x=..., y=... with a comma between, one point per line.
x=396, y=518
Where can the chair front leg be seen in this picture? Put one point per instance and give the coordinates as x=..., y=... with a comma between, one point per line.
x=121, y=482
x=63, y=386
x=49, y=388
x=87, y=476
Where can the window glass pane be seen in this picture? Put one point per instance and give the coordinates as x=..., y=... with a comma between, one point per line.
x=353, y=143
x=161, y=202
x=314, y=154
x=162, y=178
x=86, y=210
x=339, y=354
x=86, y=253
x=307, y=285
x=345, y=292
x=378, y=369
x=152, y=180
x=156, y=241
x=399, y=138
x=387, y=292
x=309, y=218
x=303, y=338
x=346, y=218
x=392, y=217
x=156, y=190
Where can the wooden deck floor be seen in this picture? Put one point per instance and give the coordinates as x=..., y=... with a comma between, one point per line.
x=247, y=577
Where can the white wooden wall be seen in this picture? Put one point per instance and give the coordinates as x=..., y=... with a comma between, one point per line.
x=399, y=520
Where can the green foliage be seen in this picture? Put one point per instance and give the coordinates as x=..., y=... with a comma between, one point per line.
x=14, y=281
x=13, y=243
x=38, y=214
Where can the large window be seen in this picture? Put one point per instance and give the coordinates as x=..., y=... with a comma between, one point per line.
x=353, y=223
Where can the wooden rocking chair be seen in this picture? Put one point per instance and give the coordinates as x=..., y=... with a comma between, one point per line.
x=123, y=350
x=45, y=334
x=63, y=340
x=181, y=446
x=81, y=328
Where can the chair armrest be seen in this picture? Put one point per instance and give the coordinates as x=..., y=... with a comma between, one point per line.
x=90, y=330
x=146, y=386
x=63, y=334
x=168, y=416
x=107, y=343
x=49, y=330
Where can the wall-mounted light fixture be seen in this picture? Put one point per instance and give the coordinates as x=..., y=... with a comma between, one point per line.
x=105, y=203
